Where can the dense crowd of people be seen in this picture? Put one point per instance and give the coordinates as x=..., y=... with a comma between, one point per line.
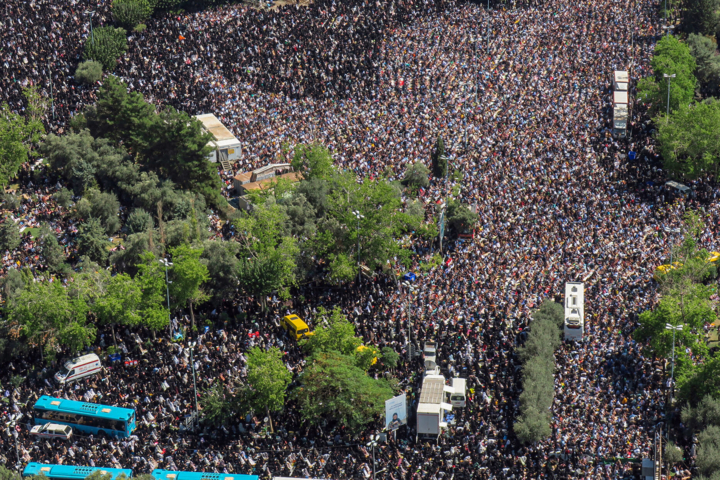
x=522, y=96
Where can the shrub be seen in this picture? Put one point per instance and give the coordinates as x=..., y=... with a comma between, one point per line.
x=88, y=72
x=416, y=176
x=9, y=234
x=130, y=13
x=11, y=201
x=139, y=221
x=63, y=197
x=140, y=28
x=105, y=46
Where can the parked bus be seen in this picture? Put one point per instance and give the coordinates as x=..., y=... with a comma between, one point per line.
x=90, y=418
x=71, y=472
x=574, y=311
x=174, y=475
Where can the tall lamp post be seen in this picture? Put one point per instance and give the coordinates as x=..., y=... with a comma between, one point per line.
x=668, y=29
x=192, y=362
x=374, y=439
x=410, y=291
x=13, y=425
x=164, y=261
x=674, y=328
x=92, y=34
x=667, y=112
x=358, y=215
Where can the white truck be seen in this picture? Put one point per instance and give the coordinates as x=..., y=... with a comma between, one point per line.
x=430, y=357
x=432, y=407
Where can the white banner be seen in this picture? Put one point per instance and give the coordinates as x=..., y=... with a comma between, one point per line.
x=395, y=412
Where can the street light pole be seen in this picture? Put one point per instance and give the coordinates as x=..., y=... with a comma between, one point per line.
x=672, y=368
x=192, y=361
x=92, y=34
x=167, y=264
x=410, y=291
x=358, y=215
x=667, y=112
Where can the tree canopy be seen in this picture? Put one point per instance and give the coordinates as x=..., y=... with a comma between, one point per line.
x=671, y=57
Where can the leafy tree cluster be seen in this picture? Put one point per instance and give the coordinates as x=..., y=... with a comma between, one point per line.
x=702, y=17
x=129, y=13
x=685, y=300
x=439, y=161
x=670, y=57
x=704, y=420
x=707, y=58
x=689, y=142
x=19, y=133
x=538, y=357
x=89, y=72
x=105, y=46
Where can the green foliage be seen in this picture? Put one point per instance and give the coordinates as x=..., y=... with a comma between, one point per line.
x=670, y=57
x=120, y=302
x=17, y=133
x=312, y=161
x=140, y=28
x=221, y=260
x=92, y=241
x=105, y=46
x=672, y=454
x=708, y=61
x=139, y=221
x=63, y=197
x=689, y=142
x=416, y=176
x=217, y=404
x=538, y=359
x=390, y=357
x=460, y=218
x=151, y=281
x=11, y=201
x=268, y=378
x=703, y=381
x=102, y=206
x=187, y=274
x=130, y=13
x=702, y=16
x=439, y=162
x=47, y=315
x=335, y=388
x=708, y=454
x=89, y=72
x=7, y=474
x=333, y=332
x=50, y=249
x=166, y=4
x=341, y=268
x=707, y=412
x=9, y=234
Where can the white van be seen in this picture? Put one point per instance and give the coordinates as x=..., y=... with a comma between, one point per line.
x=78, y=368
x=457, y=397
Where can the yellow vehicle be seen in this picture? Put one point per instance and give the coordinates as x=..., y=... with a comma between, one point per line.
x=713, y=257
x=294, y=326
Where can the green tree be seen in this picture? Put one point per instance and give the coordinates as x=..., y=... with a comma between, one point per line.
x=312, y=161
x=688, y=141
x=708, y=61
x=9, y=234
x=390, y=357
x=439, y=162
x=130, y=13
x=89, y=72
x=50, y=249
x=92, y=241
x=416, y=176
x=18, y=133
x=47, y=316
x=333, y=333
x=537, y=355
x=672, y=454
x=7, y=474
x=702, y=16
x=708, y=455
x=671, y=57
x=701, y=381
x=268, y=378
x=179, y=151
x=139, y=221
x=188, y=273
x=707, y=412
x=105, y=46
x=151, y=280
x=120, y=303
x=460, y=217
x=222, y=263
x=335, y=388
x=218, y=404
x=63, y=197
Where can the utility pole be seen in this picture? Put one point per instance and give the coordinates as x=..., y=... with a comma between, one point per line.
x=192, y=361
x=410, y=291
x=674, y=328
x=167, y=264
x=667, y=112
x=358, y=215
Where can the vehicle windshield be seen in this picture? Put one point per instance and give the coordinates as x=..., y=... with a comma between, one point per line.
x=63, y=371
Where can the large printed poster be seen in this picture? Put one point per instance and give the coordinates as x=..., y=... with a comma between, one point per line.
x=395, y=412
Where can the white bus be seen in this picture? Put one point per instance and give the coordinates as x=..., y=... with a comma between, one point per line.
x=574, y=310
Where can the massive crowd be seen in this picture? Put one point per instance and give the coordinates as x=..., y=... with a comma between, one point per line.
x=522, y=96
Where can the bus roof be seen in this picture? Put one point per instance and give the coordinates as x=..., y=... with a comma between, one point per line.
x=160, y=474
x=71, y=472
x=92, y=409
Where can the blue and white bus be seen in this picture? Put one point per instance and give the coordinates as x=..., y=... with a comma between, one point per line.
x=71, y=472
x=173, y=475
x=90, y=418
